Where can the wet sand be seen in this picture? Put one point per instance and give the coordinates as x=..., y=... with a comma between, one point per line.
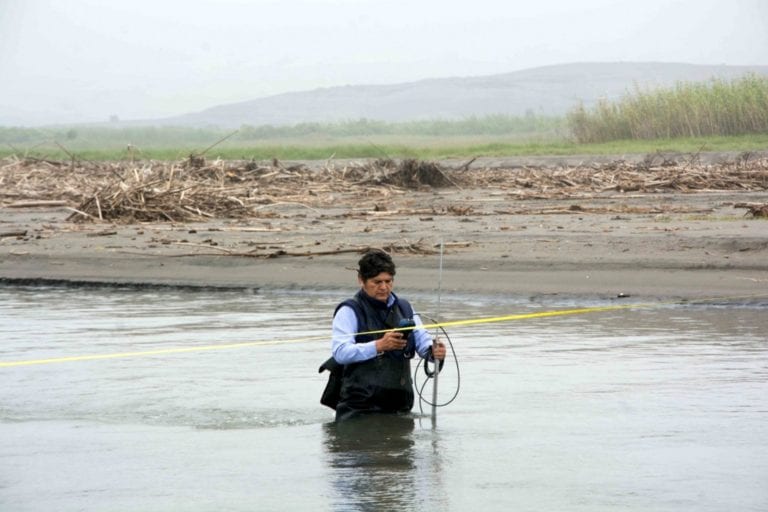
x=666, y=245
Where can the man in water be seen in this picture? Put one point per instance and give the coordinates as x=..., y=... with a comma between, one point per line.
x=376, y=375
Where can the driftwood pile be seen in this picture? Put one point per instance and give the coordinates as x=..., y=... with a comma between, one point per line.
x=410, y=174
x=194, y=189
x=621, y=176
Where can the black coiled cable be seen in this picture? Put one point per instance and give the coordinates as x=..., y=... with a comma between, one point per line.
x=430, y=374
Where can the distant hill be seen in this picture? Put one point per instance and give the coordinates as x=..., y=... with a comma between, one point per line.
x=548, y=90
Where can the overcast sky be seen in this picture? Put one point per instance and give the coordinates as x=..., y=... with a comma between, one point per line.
x=84, y=60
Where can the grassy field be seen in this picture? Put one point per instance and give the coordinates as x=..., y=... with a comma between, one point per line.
x=422, y=147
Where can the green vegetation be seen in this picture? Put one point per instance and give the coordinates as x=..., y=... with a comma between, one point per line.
x=493, y=125
x=716, y=108
x=109, y=137
x=428, y=149
x=690, y=118
x=353, y=139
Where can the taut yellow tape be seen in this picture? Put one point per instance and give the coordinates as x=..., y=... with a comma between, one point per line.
x=226, y=346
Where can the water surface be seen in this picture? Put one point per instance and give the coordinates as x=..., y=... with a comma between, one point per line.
x=662, y=408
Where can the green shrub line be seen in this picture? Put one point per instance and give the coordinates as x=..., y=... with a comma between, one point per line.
x=689, y=109
x=117, y=136
x=689, y=145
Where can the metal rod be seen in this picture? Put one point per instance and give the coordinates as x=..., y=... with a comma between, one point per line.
x=437, y=331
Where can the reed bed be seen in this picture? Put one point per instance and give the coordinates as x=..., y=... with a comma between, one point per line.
x=690, y=109
x=197, y=190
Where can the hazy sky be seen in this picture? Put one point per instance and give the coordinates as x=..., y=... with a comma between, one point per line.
x=84, y=60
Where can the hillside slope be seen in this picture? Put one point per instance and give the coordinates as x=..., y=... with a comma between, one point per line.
x=549, y=90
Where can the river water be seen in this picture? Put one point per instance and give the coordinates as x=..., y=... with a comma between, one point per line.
x=662, y=408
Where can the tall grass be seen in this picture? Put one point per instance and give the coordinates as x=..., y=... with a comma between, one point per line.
x=689, y=109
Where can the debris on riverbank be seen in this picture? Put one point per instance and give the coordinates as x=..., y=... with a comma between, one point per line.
x=196, y=190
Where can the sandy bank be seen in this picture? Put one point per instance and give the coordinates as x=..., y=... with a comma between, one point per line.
x=497, y=241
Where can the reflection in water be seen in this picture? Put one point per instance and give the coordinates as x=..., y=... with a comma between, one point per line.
x=373, y=463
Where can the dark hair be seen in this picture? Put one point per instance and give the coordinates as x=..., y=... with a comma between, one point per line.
x=374, y=262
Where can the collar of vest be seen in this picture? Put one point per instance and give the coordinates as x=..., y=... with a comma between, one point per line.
x=375, y=303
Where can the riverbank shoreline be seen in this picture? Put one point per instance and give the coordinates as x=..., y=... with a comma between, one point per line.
x=603, y=266
x=501, y=233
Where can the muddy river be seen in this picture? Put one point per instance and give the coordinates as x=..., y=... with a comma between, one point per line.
x=208, y=400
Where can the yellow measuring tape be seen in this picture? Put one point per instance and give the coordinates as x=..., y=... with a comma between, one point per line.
x=225, y=346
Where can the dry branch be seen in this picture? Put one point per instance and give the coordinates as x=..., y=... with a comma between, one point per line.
x=36, y=204
x=130, y=192
x=755, y=210
x=13, y=234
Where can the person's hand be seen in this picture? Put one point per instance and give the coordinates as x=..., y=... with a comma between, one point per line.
x=392, y=340
x=438, y=349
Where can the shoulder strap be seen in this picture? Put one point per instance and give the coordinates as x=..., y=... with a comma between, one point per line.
x=405, y=308
x=352, y=303
x=357, y=308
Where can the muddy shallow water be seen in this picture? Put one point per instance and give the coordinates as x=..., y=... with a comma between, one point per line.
x=662, y=408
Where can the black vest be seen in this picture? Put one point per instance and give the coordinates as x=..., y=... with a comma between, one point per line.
x=374, y=315
x=381, y=384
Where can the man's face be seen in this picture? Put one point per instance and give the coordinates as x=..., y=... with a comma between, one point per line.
x=379, y=287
